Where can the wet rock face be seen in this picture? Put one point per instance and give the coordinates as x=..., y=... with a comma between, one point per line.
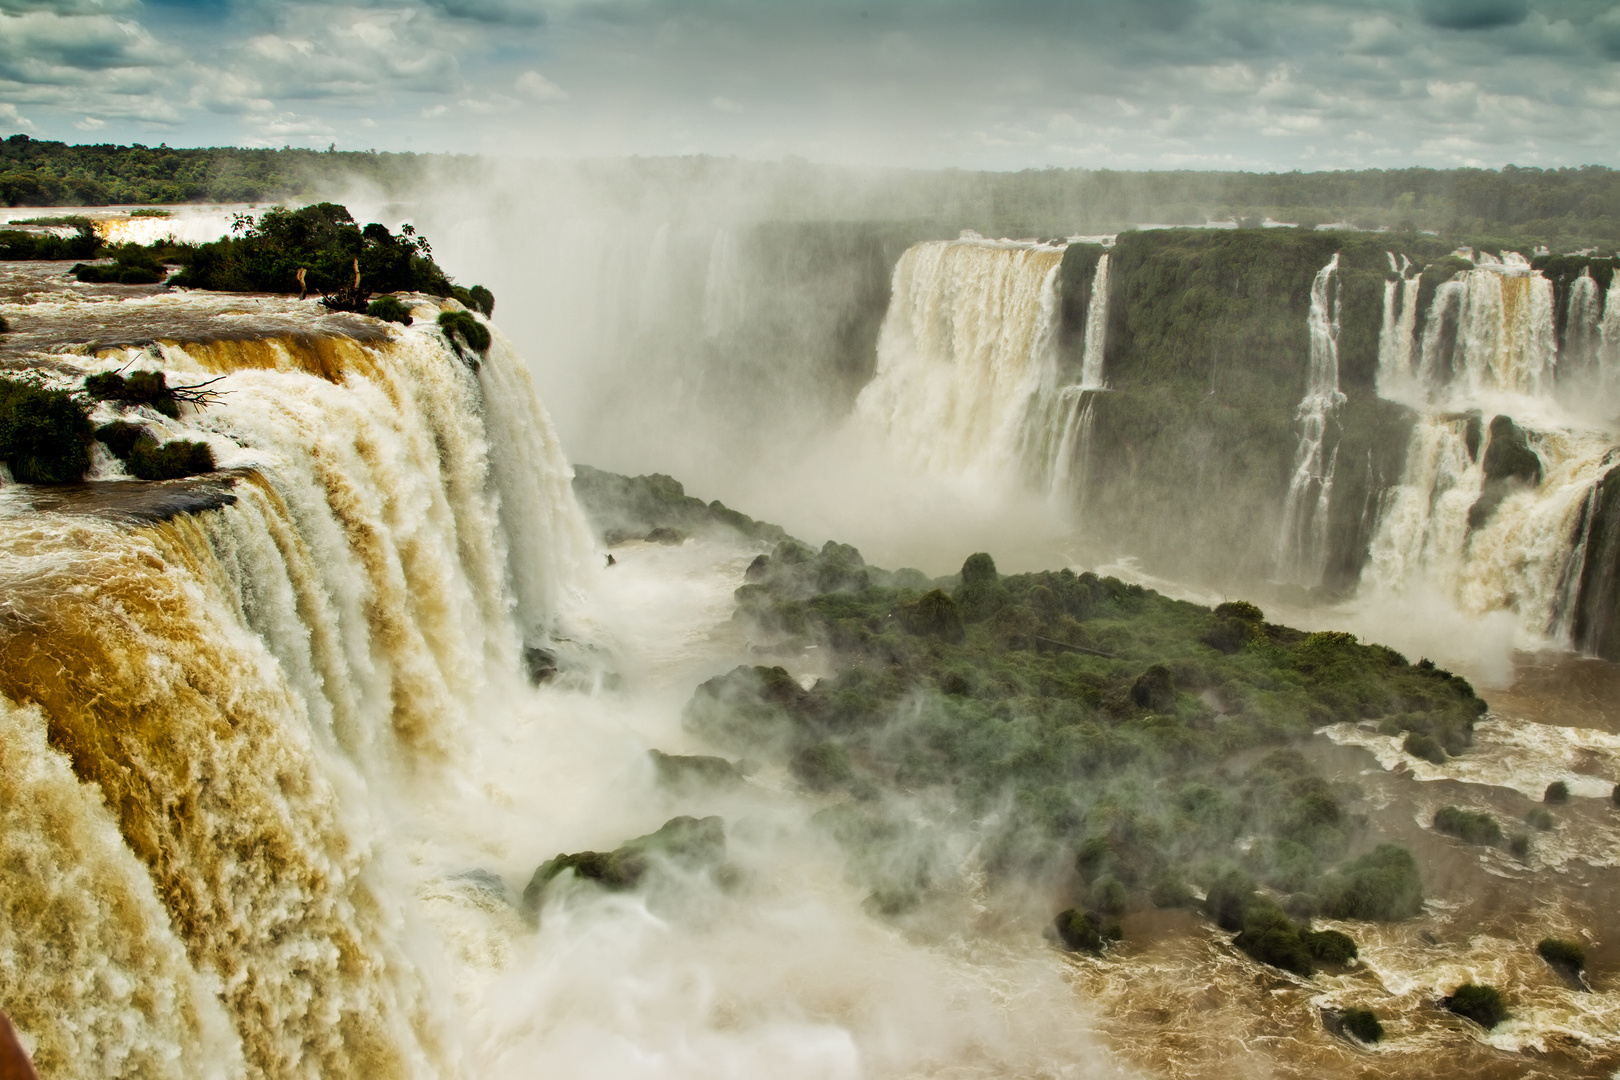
x=1596, y=628
x=1509, y=464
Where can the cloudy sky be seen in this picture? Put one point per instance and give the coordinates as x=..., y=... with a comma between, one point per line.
x=1271, y=84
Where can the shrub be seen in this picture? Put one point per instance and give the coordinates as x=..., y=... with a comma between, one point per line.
x=1107, y=895
x=1425, y=747
x=137, y=388
x=1469, y=826
x=1484, y=1005
x=1382, y=885
x=1538, y=818
x=1557, y=793
x=482, y=299
x=1271, y=938
x=1154, y=689
x=1171, y=892
x=1519, y=846
x=823, y=766
x=44, y=434
x=1228, y=898
x=935, y=615
x=173, y=460
x=472, y=334
x=1562, y=953
x=1330, y=946
x=1361, y=1024
x=120, y=437
x=389, y=309
x=1079, y=931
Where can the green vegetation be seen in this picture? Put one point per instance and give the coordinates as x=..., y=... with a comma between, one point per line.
x=465, y=330
x=1080, y=931
x=1538, y=818
x=629, y=508
x=1425, y=747
x=389, y=309
x=178, y=458
x=149, y=388
x=1469, y=826
x=132, y=265
x=687, y=772
x=1484, y=1005
x=44, y=433
x=1071, y=716
x=1557, y=793
x=15, y=244
x=322, y=242
x=1206, y=356
x=686, y=842
x=40, y=173
x=1519, y=846
x=1564, y=954
x=120, y=437
x=1361, y=1024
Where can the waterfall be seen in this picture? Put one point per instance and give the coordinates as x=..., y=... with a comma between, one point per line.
x=1583, y=326
x=1489, y=330
x=1609, y=336
x=1489, y=347
x=211, y=722
x=968, y=343
x=1302, y=545
x=1396, y=379
x=1091, y=364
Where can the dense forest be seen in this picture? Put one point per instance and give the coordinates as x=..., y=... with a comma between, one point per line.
x=1568, y=207
x=36, y=173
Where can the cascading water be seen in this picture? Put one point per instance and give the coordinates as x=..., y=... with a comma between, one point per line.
x=1065, y=469
x=1489, y=349
x=1302, y=546
x=250, y=688
x=969, y=340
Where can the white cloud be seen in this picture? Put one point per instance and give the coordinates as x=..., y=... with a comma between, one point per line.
x=537, y=87
x=90, y=123
x=11, y=118
x=725, y=104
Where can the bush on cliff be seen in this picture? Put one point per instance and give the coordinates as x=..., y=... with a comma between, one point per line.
x=389, y=309
x=44, y=433
x=174, y=460
x=132, y=265
x=461, y=327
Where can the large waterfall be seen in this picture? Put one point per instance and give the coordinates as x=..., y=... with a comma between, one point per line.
x=211, y=718
x=1302, y=546
x=1489, y=349
x=970, y=335
x=971, y=376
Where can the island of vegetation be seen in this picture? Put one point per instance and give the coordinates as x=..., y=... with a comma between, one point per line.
x=1115, y=747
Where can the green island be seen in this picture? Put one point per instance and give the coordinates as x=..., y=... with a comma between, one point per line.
x=1115, y=748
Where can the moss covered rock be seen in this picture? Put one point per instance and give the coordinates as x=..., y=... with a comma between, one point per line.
x=1484, y=1005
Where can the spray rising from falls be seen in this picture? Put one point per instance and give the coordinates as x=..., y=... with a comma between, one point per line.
x=1302, y=546
x=1496, y=502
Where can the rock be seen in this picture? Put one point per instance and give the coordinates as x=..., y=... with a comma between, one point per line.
x=688, y=842
x=666, y=535
x=694, y=771
x=541, y=664
x=1509, y=464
